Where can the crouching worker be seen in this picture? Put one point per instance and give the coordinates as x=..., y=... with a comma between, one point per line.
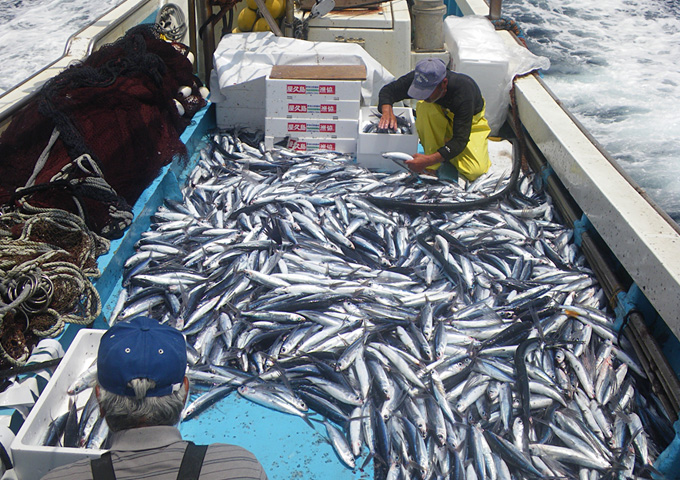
x=141, y=391
x=449, y=120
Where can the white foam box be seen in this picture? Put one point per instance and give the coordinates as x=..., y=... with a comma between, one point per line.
x=326, y=109
x=310, y=127
x=481, y=54
x=243, y=106
x=32, y=460
x=310, y=83
x=342, y=145
x=370, y=146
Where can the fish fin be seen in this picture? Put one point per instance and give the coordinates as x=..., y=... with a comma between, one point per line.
x=308, y=420
x=537, y=322
x=282, y=371
x=369, y=457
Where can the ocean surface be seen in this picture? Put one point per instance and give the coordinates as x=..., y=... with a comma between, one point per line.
x=33, y=33
x=614, y=63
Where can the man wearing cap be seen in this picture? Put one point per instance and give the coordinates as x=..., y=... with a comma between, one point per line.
x=142, y=389
x=449, y=119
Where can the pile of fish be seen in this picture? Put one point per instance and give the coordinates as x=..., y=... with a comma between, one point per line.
x=86, y=429
x=404, y=126
x=439, y=345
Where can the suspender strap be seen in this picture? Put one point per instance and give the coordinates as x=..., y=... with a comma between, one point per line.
x=102, y=467
x=192, y=462
x=190, y=469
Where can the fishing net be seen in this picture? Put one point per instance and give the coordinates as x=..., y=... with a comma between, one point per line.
x=98, y=133
x=46, y=262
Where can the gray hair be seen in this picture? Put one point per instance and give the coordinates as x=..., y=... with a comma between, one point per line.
x=122, y=412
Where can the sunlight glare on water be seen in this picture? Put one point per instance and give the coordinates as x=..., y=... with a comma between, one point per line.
x=615, y=64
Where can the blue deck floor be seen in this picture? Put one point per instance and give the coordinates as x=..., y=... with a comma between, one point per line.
x=285, y=445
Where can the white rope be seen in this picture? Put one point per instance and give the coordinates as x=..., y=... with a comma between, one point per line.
x=42, y=160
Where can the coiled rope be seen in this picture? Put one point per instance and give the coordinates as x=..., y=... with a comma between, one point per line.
x=47, y=260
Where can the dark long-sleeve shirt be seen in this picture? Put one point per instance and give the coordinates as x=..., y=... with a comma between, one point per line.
x=463, y=98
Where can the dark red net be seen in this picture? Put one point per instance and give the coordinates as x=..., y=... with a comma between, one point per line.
x=118, y=106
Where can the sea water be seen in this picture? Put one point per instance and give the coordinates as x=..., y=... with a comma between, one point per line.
x=33, y=33
x=615, y=64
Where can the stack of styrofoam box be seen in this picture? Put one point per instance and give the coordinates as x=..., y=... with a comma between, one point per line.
x=371, y=146
x=243, y=106
x=313, y=107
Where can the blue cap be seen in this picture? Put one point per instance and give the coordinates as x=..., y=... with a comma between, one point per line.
x=141, y=348
x=428, y=74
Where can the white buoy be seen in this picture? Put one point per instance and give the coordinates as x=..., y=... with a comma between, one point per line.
x=180, y=108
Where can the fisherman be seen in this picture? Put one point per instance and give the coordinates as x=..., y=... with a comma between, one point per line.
x=449, y=119
x=141, y=391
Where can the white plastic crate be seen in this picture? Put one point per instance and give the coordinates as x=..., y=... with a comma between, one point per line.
x=308, y=127
x=31, y=459
x=370, y=146
x=230, y=117
x=479, y=52
x=296, y=108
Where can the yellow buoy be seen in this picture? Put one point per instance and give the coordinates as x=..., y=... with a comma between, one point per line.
x=251, y=4
x=246, y=19
x=236, y=30
x=276, y=7
x=261, y=25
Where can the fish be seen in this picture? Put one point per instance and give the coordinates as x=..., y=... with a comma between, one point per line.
x=71, y=428
x=340, y=444
x=55, y=430
x=404, y=126
x=84, y=381
x=473, y=330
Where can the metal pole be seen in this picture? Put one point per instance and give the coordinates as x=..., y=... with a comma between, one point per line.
x=428, y=25
x=193, y=32
x=290, y=17
x=208, y=39
x=262, y=7
x=495, y=9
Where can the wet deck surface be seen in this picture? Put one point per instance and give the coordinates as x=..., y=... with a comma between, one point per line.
x=285, y=445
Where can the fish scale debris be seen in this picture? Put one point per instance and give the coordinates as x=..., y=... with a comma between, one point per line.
x=445, y=344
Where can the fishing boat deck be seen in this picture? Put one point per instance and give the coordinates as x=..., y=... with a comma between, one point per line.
x=284, y=444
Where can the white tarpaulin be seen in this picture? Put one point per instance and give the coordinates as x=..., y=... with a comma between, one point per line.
x=243, y=57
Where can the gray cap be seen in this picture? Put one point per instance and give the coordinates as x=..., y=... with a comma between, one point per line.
x=428, y=74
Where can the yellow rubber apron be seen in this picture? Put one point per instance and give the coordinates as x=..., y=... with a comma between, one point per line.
x=435, y=128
